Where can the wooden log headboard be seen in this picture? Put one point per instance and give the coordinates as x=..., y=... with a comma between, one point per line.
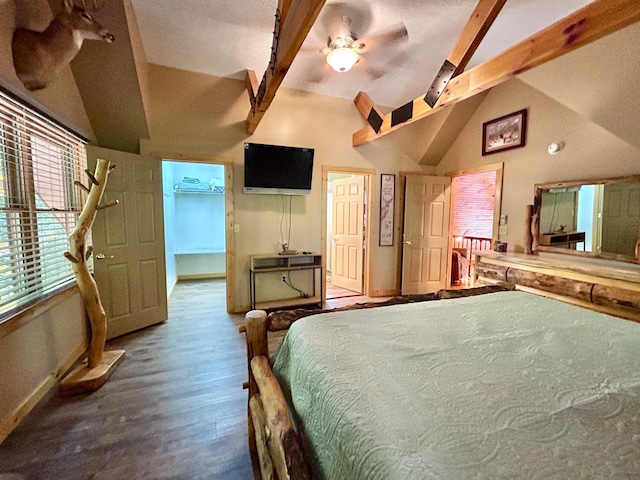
x=603, y=285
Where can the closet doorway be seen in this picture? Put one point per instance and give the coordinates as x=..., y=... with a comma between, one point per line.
x=194, y=221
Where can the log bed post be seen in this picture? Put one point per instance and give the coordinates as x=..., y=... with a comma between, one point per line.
x=282, y=444
x=528, y=235
x=535, y=224
x=257, y=344
x=256, y=413
x=275, y=446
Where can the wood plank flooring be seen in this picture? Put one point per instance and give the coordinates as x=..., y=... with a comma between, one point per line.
x=334, y=291
x=174, y=409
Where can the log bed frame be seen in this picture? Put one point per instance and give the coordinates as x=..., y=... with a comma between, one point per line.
x=274, y=444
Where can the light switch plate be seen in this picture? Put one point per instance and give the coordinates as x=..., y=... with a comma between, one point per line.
x=503, y=219
x=504, y=230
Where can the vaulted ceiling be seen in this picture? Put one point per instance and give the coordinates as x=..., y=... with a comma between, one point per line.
x=225, y=39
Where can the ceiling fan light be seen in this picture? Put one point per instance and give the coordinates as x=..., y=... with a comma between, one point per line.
x=342, y=59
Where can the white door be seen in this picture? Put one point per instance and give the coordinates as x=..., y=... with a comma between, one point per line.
x=347, y=233
x=128, y=242
x=621, y=218
x=426, y=234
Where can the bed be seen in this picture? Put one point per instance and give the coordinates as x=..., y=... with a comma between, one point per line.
x=503, y=385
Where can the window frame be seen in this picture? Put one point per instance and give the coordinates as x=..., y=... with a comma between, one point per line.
x=24, y=132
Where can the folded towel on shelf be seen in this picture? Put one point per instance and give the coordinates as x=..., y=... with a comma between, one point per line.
x=182, y=185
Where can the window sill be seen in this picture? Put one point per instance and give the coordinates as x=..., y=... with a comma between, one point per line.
x=23, y=317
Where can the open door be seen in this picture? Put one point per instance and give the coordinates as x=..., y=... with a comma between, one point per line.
x=347, y=255
x=620, y=218
x=128, y=241
x=426, y=234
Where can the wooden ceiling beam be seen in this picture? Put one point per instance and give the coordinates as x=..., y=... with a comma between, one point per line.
x=590, y=23
x=369, y=110
x=472, y=34
x=294, y=19
x=251, y=82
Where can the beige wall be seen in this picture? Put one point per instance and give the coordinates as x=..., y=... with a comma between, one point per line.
x=590, y=151
x=200, y=115
x=32, y=356
x=599, y=80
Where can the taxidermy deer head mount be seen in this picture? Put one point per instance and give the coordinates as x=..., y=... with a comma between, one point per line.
x=39, y=56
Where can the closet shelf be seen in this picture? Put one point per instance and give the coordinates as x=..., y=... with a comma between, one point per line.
x=216, y=191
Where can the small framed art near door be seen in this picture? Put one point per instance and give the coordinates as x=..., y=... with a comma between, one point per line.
x=387, y=212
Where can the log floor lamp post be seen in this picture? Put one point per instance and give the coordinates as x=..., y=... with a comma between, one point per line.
x=96, y=369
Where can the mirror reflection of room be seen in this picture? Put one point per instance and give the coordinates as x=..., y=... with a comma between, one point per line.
x=599, y=218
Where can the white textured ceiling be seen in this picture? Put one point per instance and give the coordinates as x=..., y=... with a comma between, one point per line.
x=225, y=37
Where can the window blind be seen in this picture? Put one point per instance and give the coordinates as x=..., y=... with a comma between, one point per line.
x=39, y=204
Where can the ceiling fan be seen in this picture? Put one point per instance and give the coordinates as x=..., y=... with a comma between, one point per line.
x=344, y=47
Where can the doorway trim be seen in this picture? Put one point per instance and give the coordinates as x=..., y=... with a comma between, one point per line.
x=228, y=206
x=369, y=174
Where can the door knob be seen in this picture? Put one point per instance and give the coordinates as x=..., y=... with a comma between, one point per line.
x=102, y=256
x=407, y=242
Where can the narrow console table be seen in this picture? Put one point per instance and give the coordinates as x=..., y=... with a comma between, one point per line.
x=603, y=285
x=311, y=262
x=557, y=239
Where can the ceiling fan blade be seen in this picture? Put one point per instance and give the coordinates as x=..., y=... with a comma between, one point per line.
x=395, y=34
x=314, y=50
x=373, y=70
x=358, y=12
x=320, y=75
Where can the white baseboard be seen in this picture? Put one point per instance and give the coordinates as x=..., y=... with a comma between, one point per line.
x=201, y=276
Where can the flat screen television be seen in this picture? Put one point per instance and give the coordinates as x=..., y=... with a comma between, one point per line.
x=277, y=169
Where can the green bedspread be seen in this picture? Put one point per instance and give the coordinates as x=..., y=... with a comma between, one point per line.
x=500, y=386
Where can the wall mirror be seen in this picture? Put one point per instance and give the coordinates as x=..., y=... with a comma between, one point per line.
x=596, y=217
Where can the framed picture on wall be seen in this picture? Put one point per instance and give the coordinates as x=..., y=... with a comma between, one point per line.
x=504, y=133
x=387, y=200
